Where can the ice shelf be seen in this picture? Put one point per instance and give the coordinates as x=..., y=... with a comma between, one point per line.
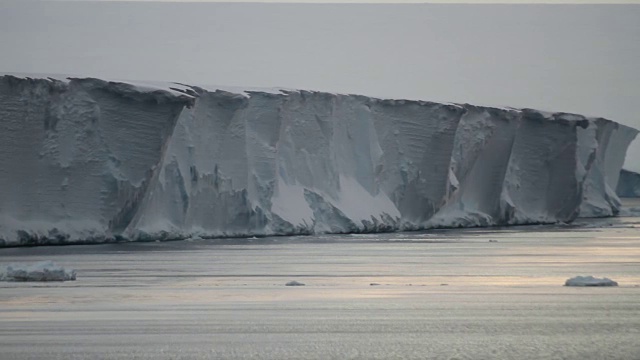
x=87, y=160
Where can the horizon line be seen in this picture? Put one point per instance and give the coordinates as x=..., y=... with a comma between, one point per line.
x=488, y=2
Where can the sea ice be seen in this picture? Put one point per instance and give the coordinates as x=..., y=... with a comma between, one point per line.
x=41, y=271
x=589, y=281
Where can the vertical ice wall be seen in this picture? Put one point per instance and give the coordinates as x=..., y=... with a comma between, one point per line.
x=541, y=184
x=97, y=160
x=302, y=162
x=609, y=146
x=484, y=136
x=77, y=155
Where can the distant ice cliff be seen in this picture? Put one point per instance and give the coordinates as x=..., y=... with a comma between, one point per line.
x=89, y=160
x=629, y=184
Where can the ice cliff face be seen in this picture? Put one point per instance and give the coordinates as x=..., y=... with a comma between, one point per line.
x=629, y=184
x=87, y=160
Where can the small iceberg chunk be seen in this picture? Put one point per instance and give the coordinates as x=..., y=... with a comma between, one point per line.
x=41, y=271
x=589, y=281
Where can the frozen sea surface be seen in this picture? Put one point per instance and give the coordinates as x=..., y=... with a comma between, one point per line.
x=456, y=294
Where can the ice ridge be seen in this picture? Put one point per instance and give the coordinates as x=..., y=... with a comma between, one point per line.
x=89, y=160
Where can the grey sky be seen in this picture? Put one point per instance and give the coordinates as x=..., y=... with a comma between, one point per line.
x=553, y=57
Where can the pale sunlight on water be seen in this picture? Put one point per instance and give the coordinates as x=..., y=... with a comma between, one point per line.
x=465, y=294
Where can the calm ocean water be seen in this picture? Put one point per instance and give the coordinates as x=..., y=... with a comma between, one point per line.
x=463, y=294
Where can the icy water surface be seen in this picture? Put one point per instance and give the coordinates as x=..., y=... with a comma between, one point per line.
x=456, y=294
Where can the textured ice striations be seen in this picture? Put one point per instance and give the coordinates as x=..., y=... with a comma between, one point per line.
x=87, y=160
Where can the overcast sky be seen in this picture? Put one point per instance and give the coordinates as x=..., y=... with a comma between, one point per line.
x=571, y=58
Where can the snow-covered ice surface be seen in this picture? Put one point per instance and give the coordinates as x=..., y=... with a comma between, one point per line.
x=226, y=299
x=41, y=271
x=589, y=281
x=103, y=161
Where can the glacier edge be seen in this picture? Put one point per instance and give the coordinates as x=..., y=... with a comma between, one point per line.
x=88, y=160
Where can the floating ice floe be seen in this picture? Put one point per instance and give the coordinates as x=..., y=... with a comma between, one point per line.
x=589, y=281
x=41, y=271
